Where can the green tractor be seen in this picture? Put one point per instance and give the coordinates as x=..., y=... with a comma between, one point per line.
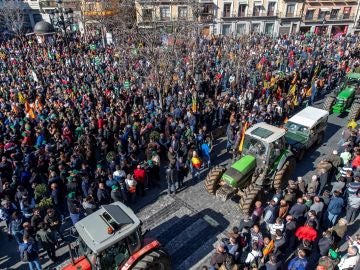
x=346, y=97
x=266, y=163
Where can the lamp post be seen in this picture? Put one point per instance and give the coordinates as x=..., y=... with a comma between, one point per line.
x=63, y=18
x=323, y=27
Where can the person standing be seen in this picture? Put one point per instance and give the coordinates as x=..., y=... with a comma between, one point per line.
x=47, y=240
x=53, y=222
x=299, y=262
x=353, y=207
x=74, y=207
x=29, y=253
x=334, y=209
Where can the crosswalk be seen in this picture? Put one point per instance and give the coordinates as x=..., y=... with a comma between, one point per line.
x=187, y=235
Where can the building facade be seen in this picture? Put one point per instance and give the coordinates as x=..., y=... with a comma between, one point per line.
x=271, y=17
x=330, y=17
x=150, y=13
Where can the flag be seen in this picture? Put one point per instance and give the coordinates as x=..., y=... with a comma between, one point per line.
x=33, y=74
x=292, y=90
x=308, y=92
x=21, y=98
x=196, y=162
x=127, y=84
x=241, y=145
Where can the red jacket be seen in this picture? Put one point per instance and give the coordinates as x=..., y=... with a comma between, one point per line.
x=139, y=175
x=356, y=162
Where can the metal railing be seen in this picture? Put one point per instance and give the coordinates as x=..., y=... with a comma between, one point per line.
x=329, y=18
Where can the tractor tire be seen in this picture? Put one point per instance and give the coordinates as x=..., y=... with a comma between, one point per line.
x=213, y=178
x=283, y=175
x=328, y=103
x=323, y=165
x=155, y=260
x=354, y=111
x=250, y=195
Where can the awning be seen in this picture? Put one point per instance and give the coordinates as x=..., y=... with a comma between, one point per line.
x=258, y=3
x=311, y=8
x=325, y=9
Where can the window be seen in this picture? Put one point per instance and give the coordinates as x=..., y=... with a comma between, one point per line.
x=271, y=9
x=208, y=9
x=114, y=256
x=227, y=10
x=309, y=14
x=37, y=18
x=255, y=27
x=182, y=12
x=147, y=14
x=240, y=29
x=347, y=11
x=290, y=10
x=226, y=29
x=257, y=10
x=322, y=14
x=242, y=9
x=165, y=13
x=269, y=28
x=334, y=13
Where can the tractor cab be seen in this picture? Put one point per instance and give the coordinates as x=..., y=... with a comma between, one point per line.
x=108, y=239
x=265, y=143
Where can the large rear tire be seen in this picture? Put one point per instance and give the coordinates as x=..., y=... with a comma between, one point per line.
x=283, y=175
x=328, y=103
x=354, y=111
x=156, y=260
x=213, y=178
x=250, y=195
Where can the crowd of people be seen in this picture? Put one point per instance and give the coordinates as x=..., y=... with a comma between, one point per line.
x=305, y=225
x=82, y=125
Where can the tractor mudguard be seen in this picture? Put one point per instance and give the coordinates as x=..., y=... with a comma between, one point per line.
x=284, y=157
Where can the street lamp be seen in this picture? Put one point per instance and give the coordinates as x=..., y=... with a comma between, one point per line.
x=62, y=18
x=323, y=26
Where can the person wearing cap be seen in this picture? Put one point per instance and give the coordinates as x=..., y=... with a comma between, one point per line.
x=74, y=207
x=115, y=194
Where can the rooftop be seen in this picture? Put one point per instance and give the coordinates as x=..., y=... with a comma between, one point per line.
x=265, y=132
x=93, y=229
x=309, y=116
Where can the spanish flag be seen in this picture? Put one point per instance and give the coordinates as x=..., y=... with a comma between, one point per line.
x=241, y=145
x=196, y=162
x=21, y=98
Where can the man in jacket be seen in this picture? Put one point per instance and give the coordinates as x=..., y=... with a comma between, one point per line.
x=353, y=207
x=350, y=260
x=298, y=210
x=335, y=207
x=47, y=240
x=29, y=253
x=270, y=213
x=325, y=243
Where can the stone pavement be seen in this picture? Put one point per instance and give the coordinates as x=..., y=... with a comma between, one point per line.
x=189, y=223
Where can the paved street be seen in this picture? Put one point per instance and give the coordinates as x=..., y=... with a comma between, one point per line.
x=189, y=223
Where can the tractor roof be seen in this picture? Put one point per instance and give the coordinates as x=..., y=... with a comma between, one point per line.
x=265, y=132
x=116, y=217
x=353, y=75
x=308, y=116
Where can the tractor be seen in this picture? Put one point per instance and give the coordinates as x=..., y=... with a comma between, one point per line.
x=111, y=238
x=346, y=97
x=266, y=162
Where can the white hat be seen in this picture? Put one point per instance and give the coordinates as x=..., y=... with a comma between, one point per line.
x=300, y=179
x=314, y=177
x=335, y=152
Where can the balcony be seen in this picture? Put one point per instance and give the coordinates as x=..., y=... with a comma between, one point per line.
x=339, y=17
x=206, y=18
x=291, y=15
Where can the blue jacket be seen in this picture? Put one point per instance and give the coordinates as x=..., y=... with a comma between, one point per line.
x=336, y=205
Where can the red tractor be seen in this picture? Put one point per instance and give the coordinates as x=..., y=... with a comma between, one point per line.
x=111, y=238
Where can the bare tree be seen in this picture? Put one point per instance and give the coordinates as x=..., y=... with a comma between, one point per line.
x=12, y=17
